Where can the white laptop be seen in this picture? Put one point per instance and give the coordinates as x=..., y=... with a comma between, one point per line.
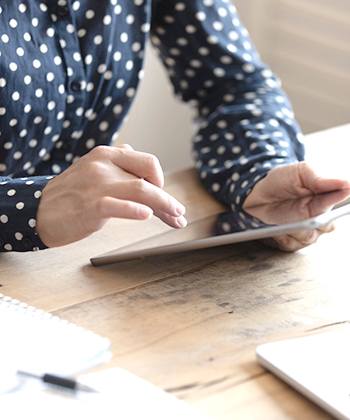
x=316, y=365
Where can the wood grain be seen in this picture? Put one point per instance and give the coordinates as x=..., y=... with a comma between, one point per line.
x=190, y=323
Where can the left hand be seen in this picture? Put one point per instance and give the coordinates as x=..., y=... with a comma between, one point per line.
x=290, y=182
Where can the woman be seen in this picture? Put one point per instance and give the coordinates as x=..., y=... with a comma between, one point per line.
x=69, y=73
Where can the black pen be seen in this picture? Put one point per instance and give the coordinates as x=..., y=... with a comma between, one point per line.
x=60, y=381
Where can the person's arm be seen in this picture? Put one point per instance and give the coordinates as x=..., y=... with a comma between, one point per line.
x=106, y=182
x=245, y=123
x=49, y=211
x=19, y=198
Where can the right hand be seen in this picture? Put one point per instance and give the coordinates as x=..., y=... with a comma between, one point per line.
x=292, y=211
x=296, y=181
x=106, y=182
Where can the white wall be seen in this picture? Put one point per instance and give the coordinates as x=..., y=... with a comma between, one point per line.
x=159, y=123
x=307, y=45
x=305, y=42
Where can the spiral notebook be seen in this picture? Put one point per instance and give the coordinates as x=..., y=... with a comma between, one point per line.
x=35, y=340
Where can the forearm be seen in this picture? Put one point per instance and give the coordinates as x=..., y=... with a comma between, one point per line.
x=238, y=143
x=245, y=122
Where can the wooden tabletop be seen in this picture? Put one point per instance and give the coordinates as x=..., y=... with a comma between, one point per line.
x=190, y=323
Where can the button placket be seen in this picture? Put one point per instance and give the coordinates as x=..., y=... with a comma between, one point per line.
x=76, y=86
x=75, y=77
x=62, y=11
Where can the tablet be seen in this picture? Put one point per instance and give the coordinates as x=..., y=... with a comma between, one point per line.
x=316, y=365
x=231, y=227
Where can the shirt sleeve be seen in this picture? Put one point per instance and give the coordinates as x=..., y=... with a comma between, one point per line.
x=245, y=123
x=19, y=204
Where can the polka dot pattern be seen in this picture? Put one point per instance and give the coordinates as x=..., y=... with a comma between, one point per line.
x=69, y=71
x=246, y=124
x=239, y=221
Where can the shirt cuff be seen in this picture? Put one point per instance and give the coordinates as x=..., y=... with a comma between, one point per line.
x=20, y=198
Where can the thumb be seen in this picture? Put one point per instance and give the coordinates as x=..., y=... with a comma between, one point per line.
x=317, y=183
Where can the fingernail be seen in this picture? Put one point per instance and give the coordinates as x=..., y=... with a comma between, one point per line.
x=145, y=212
x=180, y=210
x=181, y=222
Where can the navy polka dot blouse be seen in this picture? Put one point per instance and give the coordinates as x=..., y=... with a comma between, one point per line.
x=69, y=71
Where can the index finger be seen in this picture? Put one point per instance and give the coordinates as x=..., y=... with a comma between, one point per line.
x=140, y=164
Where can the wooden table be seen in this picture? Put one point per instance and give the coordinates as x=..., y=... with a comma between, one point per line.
x=190, y=323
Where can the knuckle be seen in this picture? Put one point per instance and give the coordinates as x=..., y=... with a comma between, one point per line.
x=169, y=202
x=286, y=244
x=327, y=229
x=128, y=208
x=101, y=206
x=125, y=146
x=152, y=161
x=285, y=247
x=304, y=208
x=291, y=248
x=100, y=152
x=140, y=185
x=122, y=151
x=133, y=211
x=310, y=237
x=96, y=169
x=302, y=165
